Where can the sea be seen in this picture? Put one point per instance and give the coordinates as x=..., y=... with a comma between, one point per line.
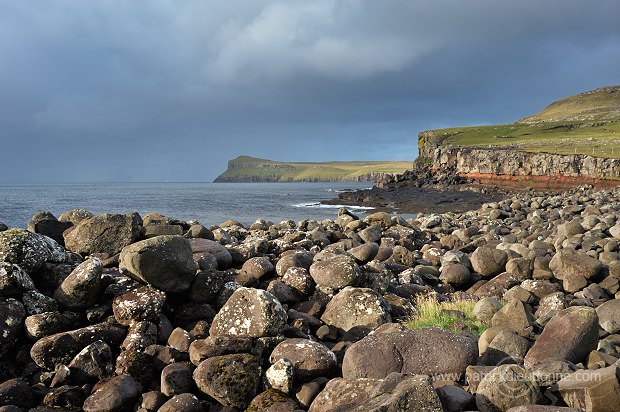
x=208, y=203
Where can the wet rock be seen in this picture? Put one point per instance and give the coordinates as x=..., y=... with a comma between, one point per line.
x=505, y=387
x=14, y=281
x=107, y=233
x=60, y=348
x=29, y=250
x=232, y=380
x=488, y=261
x=374, y=395
x=82, y=287
x=164, y=262
x=361, y=309
x=12, y=314
x=142, y=304
x=249, y=312
x=413, y=351
x=117, y=393
x=335, y=272
x=570, y=335
x=310, y=359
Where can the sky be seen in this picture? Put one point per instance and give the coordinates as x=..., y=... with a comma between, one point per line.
x=115, y=91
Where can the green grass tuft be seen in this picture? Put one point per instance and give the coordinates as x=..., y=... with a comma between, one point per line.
x=431, y=312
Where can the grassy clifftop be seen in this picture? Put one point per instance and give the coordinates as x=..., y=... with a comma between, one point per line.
x=251, y=169
x=586, y=124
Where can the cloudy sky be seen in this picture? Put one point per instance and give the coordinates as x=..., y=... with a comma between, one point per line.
x=107, y=90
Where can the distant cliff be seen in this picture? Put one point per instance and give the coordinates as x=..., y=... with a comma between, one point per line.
x=251, y=169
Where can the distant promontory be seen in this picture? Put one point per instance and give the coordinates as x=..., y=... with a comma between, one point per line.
x=250, y=169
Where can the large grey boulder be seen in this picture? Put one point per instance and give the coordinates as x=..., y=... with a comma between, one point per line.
x=413, y=351
x=106, y=233
x=29, y=250
x=570, y=335
x=395, y=393
x=335, y=272
x=164, y=262
x=82, y=287
x=249, y=312
x=361, y=309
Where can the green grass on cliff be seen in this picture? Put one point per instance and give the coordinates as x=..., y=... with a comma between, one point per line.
x=585, y=124
x=246, y=167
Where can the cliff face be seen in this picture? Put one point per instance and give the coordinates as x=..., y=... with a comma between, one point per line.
x=510, y=163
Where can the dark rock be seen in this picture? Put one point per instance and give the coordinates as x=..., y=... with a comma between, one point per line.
x=107, y=233
x=211, y=346
x=142, y=304
x=82, y=287
x=49, y=323
x=138, y=365
x=184, y=402
x=222, y=255
x=14, y=281
x=592, y=390
x=206, y=286
x=516, y=316
x=299, y=280
x=273, y=401
x=232, y=380
x=140, y=335
x=113, y=394
x=609, y=316
x=93, y=363
x=250, y=312
x=29, y=250
x=164, y=262
x=69, y=397
x=455, y=274
x=35, y=302
x=60, y=348
x=16, y=392
x=335, y=272
x=258, y=267
x=365, y=253
x=46, y=224
x=505, y=387
x=414, y=351
x=12, y=314
x=75, y=216
x=176, y=379
x=297, y=258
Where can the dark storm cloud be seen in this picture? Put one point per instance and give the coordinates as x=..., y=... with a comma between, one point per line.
x=170, y=90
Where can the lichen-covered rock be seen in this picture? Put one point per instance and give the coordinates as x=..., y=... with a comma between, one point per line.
x=106, y=233
x=414, y=351
x=140, y=335
x=16, y=392
x=570, y=335
x=60, y=348
x=29, y=250
x=142, y=304
x=12, y=314
x=82, y=287
x=232, y=380
x=273, y=400
x=281, y=375
x=49, y=323
x=310, y=359
x=75, y=216
x=164, y=262
x=296, y=258
x=396, y=392
x=14, y=281
x=257, y=267
x=211, y=346
x=113, y=394
x=93, y=363
x=184, y=402
x=505, y=387
x=35, y=302
x=249, y=312
x=335, y=272
x=361, y=309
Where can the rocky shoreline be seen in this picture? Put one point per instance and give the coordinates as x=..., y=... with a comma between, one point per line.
x=128, y=312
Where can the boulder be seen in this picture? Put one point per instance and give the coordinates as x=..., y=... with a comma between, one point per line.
x=12, y=314
x=46, y=224
x=258, y=267
x=165, y=262
x=516, y=316
x=310, y=359
x=113, y=394
x=249, y=312
x=570, y=263
x=202, y=246
x=361, y=309
x=75, y=216
x=107, y=233
x=412, y=351
x=29, y=250
x=82, y=287
x=297, y=258
x=60, y=348
x=394, y=393
x=273, y=400
x=232, y=380
x=176, y=379
x=489, y=261
x=184, y=402
x=335, y=272
x=505, y=387
x=49, y=323
x=16, y=392
x=592, y=390
x=93, y=363
x=609, y=316
x=142, y=304
x=455, y=274
x=14, y=281
x=570, y=335
x=281, y=375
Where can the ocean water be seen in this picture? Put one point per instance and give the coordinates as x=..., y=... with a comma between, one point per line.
x=209, y=203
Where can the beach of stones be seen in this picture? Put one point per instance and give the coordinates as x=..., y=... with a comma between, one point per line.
x=122, y=312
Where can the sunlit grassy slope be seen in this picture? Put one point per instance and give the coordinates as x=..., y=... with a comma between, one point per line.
x=588, y=123
x=246, y=168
